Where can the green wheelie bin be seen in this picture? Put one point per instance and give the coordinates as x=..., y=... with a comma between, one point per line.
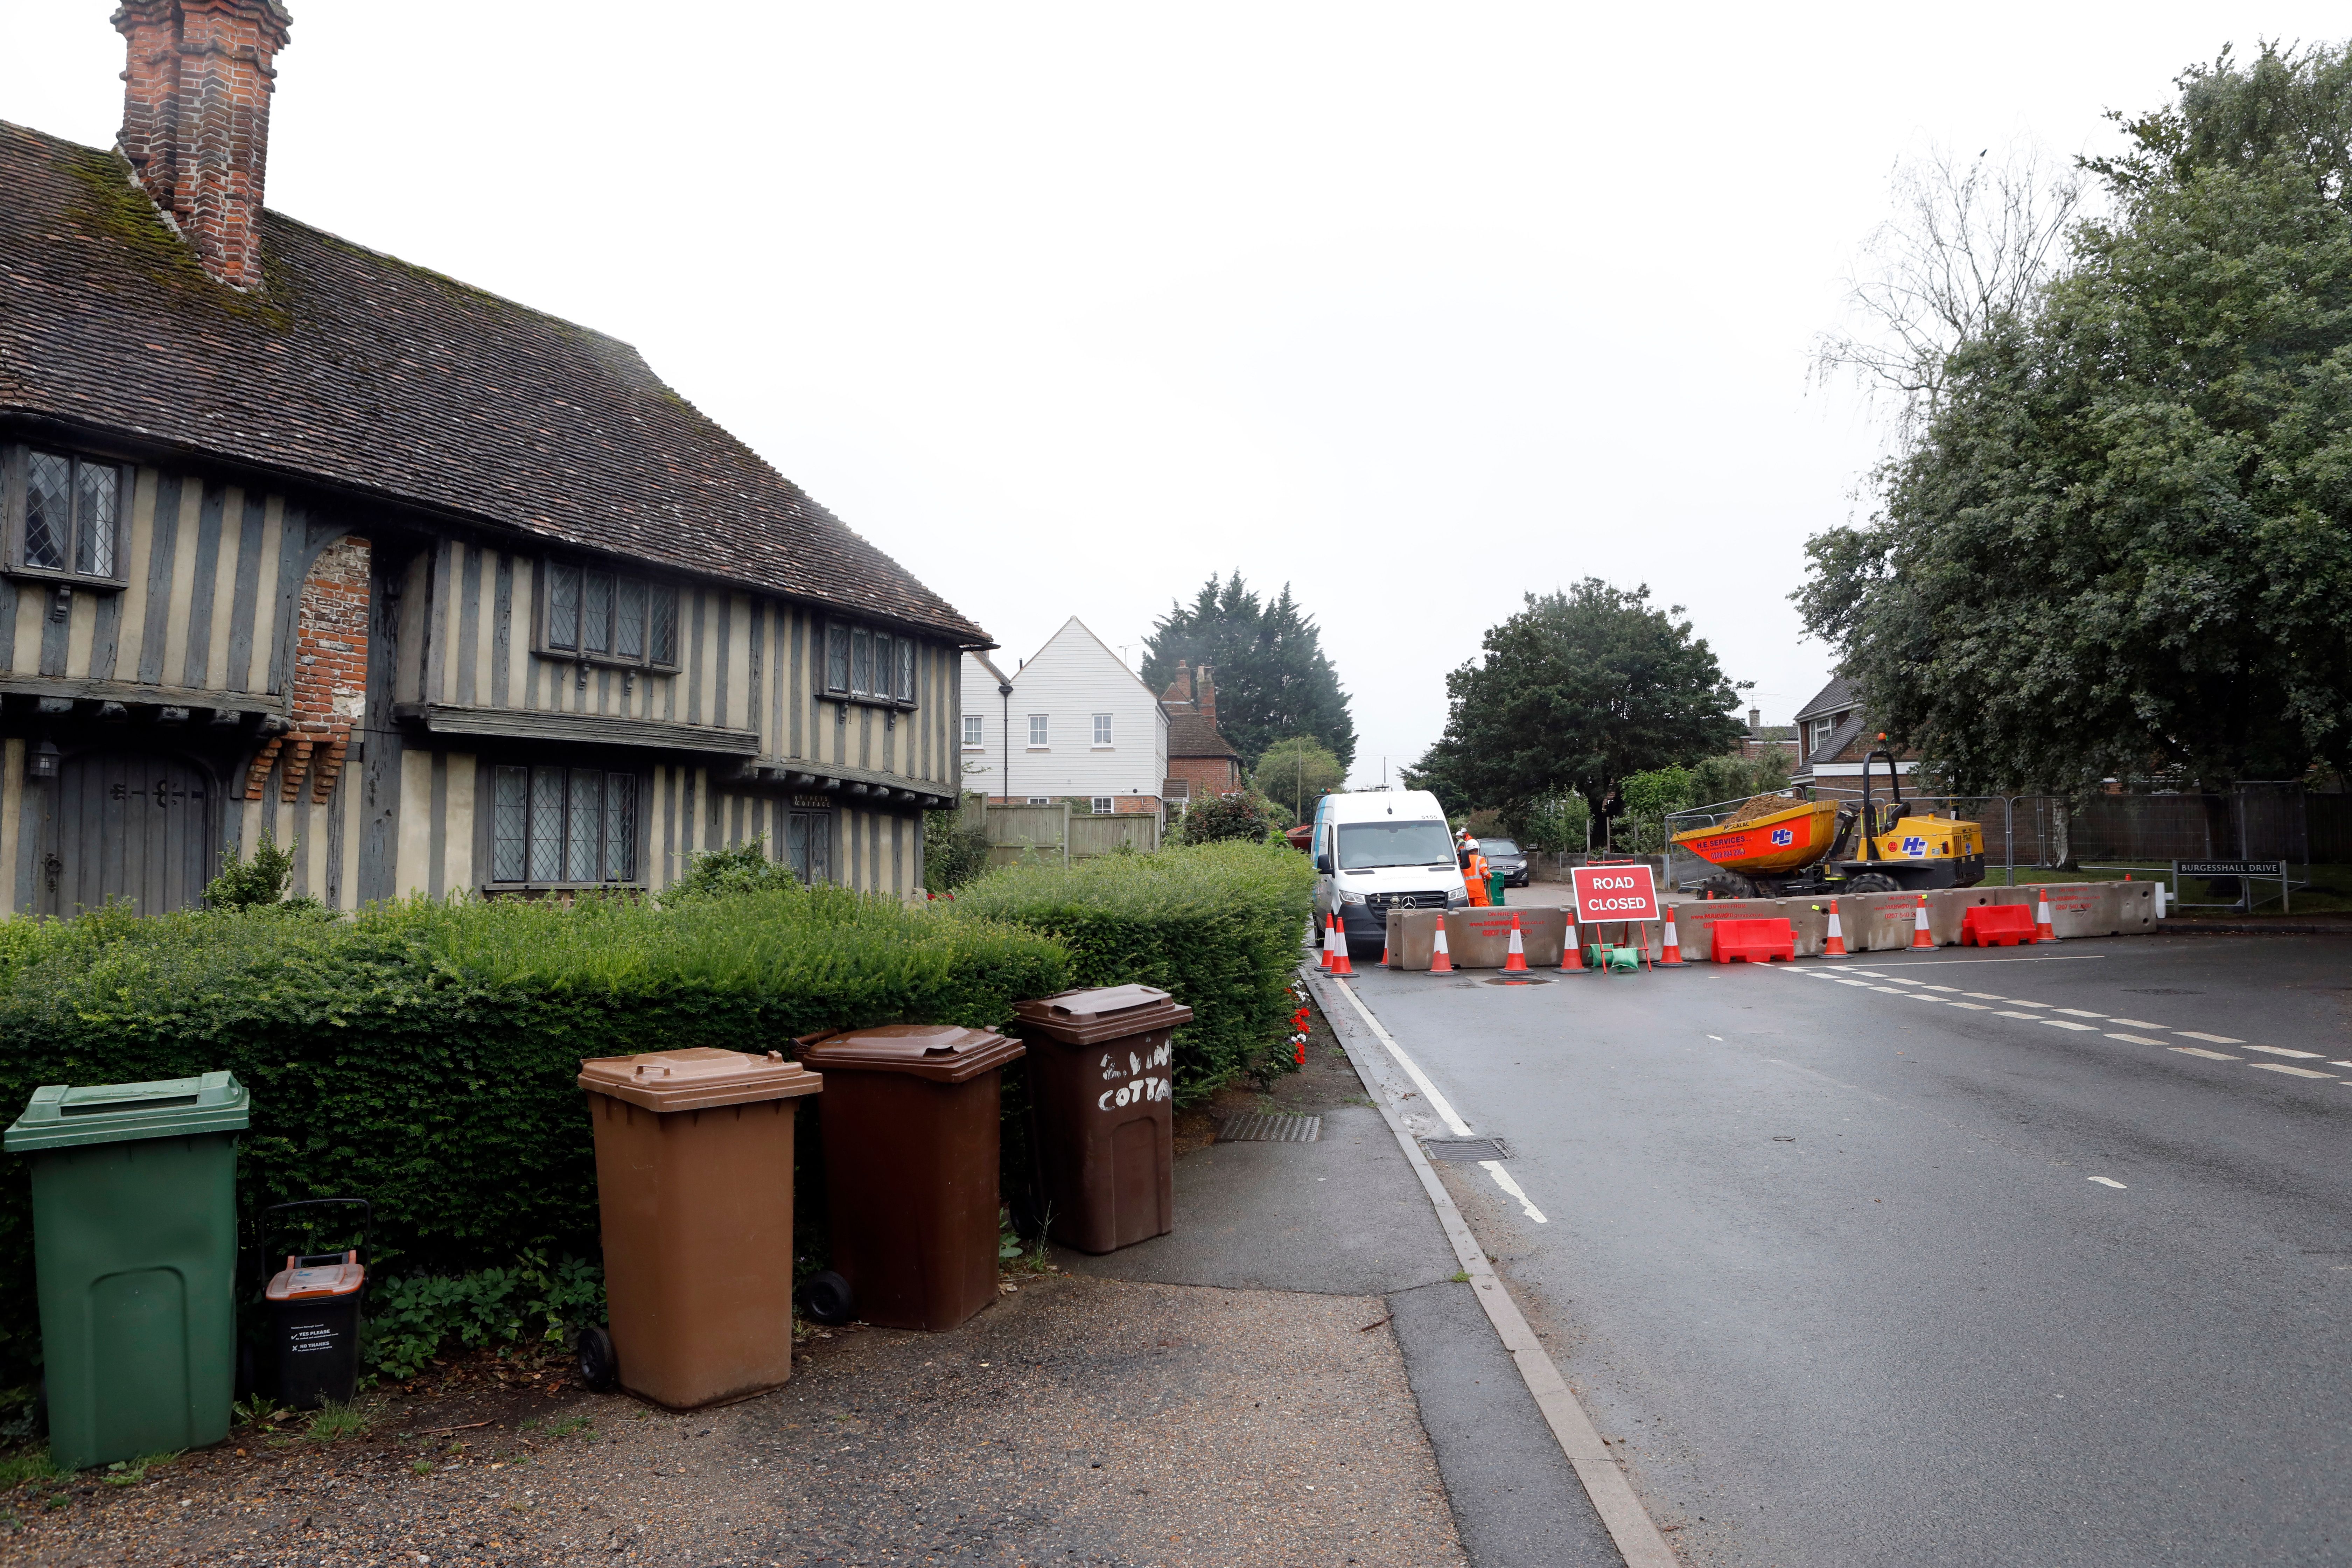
x=134, y=1247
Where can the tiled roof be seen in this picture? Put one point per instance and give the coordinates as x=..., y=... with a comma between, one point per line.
x=1192, y=735
x=362, y=372
x=1836, y=695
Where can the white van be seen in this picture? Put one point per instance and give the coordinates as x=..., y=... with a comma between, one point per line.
x=1377, y=850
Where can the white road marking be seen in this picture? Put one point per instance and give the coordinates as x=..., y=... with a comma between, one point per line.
x=1952, y=988
x=2138, y=1023
x=2282, y=1066
x=2340, y=1063
x=2022, y=1001
x=1503, y=1179
x=1900, y=981
x=1984, y=996
x=2110, y=1182
x=2209, y=1039
x=2283, y=1051
x=1973, y=1006
x=2081, y=1012
x=2200, y=1051
x=1716, y=1038
x=2029, y=1017
x=2063, y=1024
x=2048, y=958
x=2135, y=1040
x=1890, y=991
x=1923, y=996
x=1437, y=1101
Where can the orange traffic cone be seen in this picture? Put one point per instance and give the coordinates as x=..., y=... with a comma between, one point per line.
x=1570, y=955
x=1440, y=963
x=1341, y=968
x=1920, y=936
x=1514, y=959
x=2042, y=932
x=1327, y=947
x=1671, y=949
x=1835, y=946
x=1384, y=948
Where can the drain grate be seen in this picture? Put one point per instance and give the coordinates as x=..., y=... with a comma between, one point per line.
x=1468, y=1151
x=1257, y=1129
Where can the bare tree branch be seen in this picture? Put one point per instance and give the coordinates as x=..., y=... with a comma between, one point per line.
x=1971, y=242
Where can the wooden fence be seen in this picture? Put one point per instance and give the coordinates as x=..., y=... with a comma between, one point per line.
x=1054, y=832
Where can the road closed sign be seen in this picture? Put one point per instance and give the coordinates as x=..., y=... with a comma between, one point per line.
x=1614, y=893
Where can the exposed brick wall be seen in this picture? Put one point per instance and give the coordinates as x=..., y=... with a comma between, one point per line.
x=1209, y=775
x=195, y=119
x=330, y=649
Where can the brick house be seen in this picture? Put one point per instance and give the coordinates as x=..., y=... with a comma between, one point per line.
x=1833, y=737
x=301, y=538
x=1763, y=739
x=1201, y=760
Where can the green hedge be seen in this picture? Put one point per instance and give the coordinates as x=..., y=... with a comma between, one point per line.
x=1215, y=925
x=423, y=1055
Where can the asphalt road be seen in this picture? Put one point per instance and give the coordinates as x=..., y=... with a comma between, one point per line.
x=1910, y=1266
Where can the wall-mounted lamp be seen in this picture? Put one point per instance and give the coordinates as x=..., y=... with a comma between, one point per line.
x=41, y=762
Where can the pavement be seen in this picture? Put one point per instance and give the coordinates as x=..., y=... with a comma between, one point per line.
x=2027, y=1256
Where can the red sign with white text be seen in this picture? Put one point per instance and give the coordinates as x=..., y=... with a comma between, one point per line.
x=1605, y=893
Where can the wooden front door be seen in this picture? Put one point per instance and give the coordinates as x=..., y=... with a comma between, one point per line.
x=140, y=825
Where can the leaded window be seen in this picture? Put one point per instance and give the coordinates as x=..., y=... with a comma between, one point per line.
x=72, y=518
x=607, y=617
x=808, y=845
x=556, y=824
x=870, y=665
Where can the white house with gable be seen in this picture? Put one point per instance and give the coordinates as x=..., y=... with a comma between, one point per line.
x=1072, y=723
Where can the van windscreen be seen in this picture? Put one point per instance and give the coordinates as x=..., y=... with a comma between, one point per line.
x=1364, y=845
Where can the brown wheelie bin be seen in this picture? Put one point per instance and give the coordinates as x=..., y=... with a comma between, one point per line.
x=911, y=1114
x=694, y=1178
x=1105, y=1130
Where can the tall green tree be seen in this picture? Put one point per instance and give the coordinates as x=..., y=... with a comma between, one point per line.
x=1576, y=691
x=1296, y=771
x=1266, y=658
x=2123, y=544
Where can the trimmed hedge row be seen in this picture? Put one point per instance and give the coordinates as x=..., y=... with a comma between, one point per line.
x=423, y=1055
x=1215, y=925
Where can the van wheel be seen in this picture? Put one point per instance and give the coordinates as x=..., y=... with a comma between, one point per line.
x=1873, y=882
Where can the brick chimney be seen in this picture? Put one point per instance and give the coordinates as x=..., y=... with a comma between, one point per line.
x=1755, y=721
x=1207, y=701
x=195, y=119
x=1180, y=690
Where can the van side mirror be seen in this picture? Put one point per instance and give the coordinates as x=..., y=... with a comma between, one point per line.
x=1323, y=864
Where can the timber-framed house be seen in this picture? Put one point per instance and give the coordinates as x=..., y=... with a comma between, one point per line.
x=453, y=593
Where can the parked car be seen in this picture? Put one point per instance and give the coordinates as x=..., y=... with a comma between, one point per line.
x=1503, y=856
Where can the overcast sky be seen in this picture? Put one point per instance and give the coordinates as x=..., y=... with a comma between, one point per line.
x=1067, y=306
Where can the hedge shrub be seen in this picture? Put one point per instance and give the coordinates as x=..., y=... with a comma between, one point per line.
x=1215, y=925
x=423, y=1055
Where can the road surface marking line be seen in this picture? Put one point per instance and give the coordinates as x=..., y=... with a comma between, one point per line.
x=1890, y=991
x=2340, y=1063
x=1900, y=981
x=2110, y=1182
x=1984, y=996
x=1503, y=1179
x=2046, y=958
x=1716, y=1038
x=2063, y=1024
x=2209, y=1039
x=1610, y=1490
x=2208, y=1056
x=2282, y=1066
x=2283, y=1051
x=2135, y=1040
x=1923, y=996
x=2029, y=1017
x=2081, y=1012
x=2138, y=1023
x=1438, y=1100
x=1954, y=989
x=2022, y=1001
x=1973, y=1006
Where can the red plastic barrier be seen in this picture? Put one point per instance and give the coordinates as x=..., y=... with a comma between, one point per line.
x=1996, y=925
x=1754, y=941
